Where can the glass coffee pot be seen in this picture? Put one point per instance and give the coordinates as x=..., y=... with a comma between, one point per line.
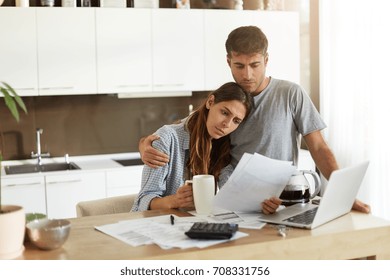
x=298, y=188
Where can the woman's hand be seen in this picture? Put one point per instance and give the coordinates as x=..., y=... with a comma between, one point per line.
x=184, y=198
x=181, y=199
x=269, y=206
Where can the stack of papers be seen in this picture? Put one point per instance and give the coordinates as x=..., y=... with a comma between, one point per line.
x=160, y=231
x=255, y=179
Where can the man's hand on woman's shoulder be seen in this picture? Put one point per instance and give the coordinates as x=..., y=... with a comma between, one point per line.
x=149, y=155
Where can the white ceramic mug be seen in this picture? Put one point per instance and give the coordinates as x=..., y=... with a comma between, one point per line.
x=203, y=190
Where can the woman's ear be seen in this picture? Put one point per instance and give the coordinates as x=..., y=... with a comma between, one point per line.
x=210, y=101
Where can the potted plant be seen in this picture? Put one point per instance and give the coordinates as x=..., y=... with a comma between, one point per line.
x=12, y=217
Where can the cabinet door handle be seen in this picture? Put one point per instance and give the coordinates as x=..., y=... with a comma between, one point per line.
x=168, y=85
x=64, y=182
x=56, y=88
x=131, y=86
x=24, y=184
x=25, y=89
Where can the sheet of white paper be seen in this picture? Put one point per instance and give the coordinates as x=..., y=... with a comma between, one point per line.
x=255, y=179
x=126, y=232
x=158, y=230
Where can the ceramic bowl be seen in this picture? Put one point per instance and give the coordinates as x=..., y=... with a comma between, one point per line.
x=48, y=234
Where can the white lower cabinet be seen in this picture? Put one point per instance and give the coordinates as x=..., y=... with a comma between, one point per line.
x=28, y=192
x=56, y=195
x=125, y=181
x=63, y=192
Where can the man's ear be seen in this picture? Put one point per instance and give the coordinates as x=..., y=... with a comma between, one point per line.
x=266, y=59
x=210, y=101
x=228, y=60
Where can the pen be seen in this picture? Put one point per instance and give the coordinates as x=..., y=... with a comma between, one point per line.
x=172, y=220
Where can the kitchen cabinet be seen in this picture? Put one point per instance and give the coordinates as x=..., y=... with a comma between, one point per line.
x=18, y=50
x=124, y=181
x=138, y=52
x=217, y=29
x=124, y=49
x=281, y=29
x=178, y=48
x=66, y=51
x=149, y=50
x=28, y=192
x=57, y=193
x=64, y=191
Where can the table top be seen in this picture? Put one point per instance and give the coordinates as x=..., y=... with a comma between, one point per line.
x=354, y=235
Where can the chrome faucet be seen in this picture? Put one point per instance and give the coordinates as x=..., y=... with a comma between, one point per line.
x=38, y=154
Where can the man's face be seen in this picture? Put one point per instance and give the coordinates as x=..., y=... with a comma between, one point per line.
x=248, y=70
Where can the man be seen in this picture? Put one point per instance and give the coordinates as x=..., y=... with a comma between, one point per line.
x=282, y=113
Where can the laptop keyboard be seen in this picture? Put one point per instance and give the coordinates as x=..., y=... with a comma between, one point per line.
x=306, y=217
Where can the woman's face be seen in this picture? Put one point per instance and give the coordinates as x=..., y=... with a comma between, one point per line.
x=224, y=117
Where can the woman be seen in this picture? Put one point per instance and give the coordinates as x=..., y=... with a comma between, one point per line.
x=198, y=145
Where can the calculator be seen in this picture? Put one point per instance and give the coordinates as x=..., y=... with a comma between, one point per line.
x=212, y=230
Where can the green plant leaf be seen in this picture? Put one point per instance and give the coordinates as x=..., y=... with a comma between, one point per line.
x=10, y=103
x=17, y=98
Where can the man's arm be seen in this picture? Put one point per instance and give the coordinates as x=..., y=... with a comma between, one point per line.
x=149, y=155
x=321, y=153
x=326, y=162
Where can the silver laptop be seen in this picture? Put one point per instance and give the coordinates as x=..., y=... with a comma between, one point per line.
x=337, y=200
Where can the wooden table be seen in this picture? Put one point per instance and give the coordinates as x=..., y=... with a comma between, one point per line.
x=351, y=236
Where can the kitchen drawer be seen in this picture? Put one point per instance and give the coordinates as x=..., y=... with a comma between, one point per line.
x=28, y=192
x=126, y=176
x=65, y=191
x=125, y=181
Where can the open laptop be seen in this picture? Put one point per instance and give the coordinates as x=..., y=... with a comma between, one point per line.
x=337, y=200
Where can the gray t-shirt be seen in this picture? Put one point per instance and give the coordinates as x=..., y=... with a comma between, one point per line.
x=282, y=113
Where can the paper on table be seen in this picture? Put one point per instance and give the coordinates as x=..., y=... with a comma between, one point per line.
x=254, y=179
x=158, y=230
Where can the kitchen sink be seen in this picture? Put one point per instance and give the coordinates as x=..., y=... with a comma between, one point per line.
x=129, y=162
x=35, y=168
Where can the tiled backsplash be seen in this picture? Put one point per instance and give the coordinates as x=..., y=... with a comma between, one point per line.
x=88, y=124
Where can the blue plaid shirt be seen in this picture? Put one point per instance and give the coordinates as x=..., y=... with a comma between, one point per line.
x=163, y=181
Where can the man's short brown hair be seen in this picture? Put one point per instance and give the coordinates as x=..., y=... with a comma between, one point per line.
x=247, y=40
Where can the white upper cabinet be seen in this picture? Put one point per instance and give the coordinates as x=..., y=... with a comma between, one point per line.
x=139, y=52
x=18, y=50
x=124, y=50
x=178, y=50
x=281, y=29
x=66, y=51
x=218, y=25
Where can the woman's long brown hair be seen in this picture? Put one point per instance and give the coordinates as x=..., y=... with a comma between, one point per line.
x=209, y=156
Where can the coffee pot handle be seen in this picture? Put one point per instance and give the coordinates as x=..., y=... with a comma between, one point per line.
x=317, y=181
